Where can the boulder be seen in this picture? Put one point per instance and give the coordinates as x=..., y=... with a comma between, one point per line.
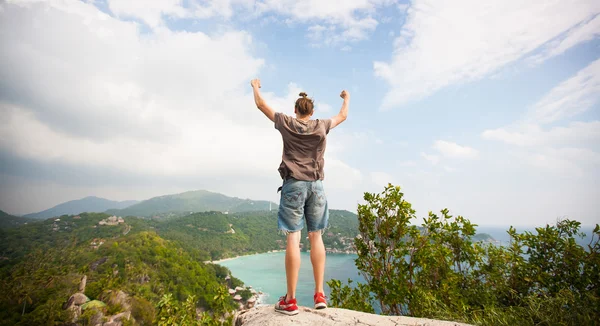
x=79, y=298
x=82, y=284
x=69, y=303
x=267, y=316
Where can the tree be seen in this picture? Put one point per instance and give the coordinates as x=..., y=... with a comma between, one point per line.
x=436, y=270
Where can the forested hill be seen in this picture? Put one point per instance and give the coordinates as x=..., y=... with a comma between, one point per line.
x=193, y=201
x=90, y=204
x=7, y=220
x=42, y=262
x=219, y=235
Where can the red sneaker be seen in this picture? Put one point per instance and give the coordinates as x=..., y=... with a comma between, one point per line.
x=320, y=302
x=286, y=307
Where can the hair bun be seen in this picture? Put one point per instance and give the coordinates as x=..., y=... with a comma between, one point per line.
x=303, y=94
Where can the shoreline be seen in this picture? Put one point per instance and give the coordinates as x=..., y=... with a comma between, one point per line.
x=239, y=256
x=269, y=252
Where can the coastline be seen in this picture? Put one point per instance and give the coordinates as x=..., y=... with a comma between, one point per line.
x=274, y=251
x=235, y=257
x=265, y=273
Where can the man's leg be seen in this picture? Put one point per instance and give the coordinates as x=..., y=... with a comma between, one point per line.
x=292, y=263
x=317, y=258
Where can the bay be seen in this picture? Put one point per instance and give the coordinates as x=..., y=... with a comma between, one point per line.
x=266, y=273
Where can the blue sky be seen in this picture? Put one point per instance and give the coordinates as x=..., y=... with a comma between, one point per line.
x=489, y=108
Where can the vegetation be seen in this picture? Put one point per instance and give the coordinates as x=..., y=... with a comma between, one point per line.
x=158, y=263
x=9, y=221
x=439, y=271
x=46, y=260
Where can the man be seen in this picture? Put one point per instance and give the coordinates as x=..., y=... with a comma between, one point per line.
x=302, y=194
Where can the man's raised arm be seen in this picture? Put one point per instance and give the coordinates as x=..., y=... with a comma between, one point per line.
x=260, y=102
x=341, y=117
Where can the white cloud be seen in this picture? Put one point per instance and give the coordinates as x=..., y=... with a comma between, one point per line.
x=149, y=11
x=405, y=164
x=442, y=44
x=433, y=159
x=573, y=96
x=454, y=150
x=566, y=149
x=582, y=133
x=563, y=162
x=449, y=169
x=381, y=179
x=330, y=23
x=323, y=107
x=581, y=33
x=90, y=91
x=341, y=176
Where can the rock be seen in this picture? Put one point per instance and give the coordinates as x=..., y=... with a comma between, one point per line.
x=96, y=319
x=267, y=316
x=79, y=298
x=70, y=302
x=82, y=284
x=125, y=315
x=117, y=298
x=76, y=311
x=113, y=323
x=97, y=263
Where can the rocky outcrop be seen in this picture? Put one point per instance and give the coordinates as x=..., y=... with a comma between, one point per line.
x=79, y=299
x=82, y=284
x=267, y=316
x=117, y=298
x=79, y=302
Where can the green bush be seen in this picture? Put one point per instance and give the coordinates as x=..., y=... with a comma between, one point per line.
x=438, y=270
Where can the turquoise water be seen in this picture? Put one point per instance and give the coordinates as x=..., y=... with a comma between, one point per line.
x=266, y=273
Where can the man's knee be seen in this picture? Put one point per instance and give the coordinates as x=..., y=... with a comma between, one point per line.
x=293, y=237
x=314, y=236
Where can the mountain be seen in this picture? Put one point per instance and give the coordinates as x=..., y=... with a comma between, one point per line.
x=87, y=204
x=193, y=201
x=8, y=221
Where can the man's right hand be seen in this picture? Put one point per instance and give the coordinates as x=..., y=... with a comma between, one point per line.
x=345, y=95
x=255, y=83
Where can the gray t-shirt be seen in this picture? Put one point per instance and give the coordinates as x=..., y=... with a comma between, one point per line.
x=303, y=147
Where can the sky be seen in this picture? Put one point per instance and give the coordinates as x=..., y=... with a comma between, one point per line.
x=488, y=108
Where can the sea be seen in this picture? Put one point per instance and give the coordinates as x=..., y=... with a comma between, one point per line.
x=266, y=272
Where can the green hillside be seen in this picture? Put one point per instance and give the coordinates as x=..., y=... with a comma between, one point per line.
x=192, y=201
x=9, y=221
x=221, y=235
x=146, y=259
x=43, y=262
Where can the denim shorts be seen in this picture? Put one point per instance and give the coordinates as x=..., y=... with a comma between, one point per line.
x=302, y=200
